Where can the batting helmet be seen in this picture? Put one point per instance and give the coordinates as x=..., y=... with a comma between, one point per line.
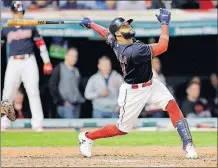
x=117, y=23
x=17, y=6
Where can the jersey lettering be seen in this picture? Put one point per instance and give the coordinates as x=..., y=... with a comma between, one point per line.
x=135, y=61
x=20, y=40
x=19, y=34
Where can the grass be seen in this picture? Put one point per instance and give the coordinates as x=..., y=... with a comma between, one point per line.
x=18, y=139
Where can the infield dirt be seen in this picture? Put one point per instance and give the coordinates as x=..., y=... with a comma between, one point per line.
x=106, y=157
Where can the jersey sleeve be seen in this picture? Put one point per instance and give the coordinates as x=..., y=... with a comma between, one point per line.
x=35, y=34
x=141, y=53
x=110, y=40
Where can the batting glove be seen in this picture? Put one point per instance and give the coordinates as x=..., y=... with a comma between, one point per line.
x=85, y=23
x=164, y=16
x=47, y=68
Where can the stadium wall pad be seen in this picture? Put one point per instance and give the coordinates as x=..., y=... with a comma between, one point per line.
x=142, y=124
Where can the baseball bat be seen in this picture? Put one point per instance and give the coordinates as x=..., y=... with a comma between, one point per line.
x=23, y=22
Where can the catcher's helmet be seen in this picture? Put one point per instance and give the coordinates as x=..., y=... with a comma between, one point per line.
x=17, y=6
x=117, y=23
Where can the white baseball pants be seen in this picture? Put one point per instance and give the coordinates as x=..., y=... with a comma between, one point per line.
x=132, y=101
x=25, y=71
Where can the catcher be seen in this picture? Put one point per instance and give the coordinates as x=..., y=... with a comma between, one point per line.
x=8, y=110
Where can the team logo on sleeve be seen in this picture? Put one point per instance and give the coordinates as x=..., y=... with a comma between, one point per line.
x=123, y=63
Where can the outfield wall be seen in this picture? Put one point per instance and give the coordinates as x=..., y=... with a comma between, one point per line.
x=146, y=124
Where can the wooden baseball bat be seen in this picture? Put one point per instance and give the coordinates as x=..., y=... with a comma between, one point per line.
x=24, y=22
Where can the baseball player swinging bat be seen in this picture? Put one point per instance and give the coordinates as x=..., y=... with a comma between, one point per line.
x=23, y=22
x=139, y=87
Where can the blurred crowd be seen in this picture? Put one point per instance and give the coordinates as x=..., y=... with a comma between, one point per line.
x=102, y=89
x=115, y=5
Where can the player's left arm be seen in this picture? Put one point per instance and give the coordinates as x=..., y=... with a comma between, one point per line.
x=40, y=43
x=162, y=45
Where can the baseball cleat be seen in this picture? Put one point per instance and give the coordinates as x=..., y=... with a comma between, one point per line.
x=38, y=129
x=85, y=144
x=191, y=153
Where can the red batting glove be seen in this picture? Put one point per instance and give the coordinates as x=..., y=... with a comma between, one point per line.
x=47, y=69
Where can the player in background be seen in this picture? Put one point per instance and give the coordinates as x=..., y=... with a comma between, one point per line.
x=139, y=87
x=7, y=110
x=22, y=65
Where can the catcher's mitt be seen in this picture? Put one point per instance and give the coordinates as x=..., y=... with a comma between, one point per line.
x=8, y=110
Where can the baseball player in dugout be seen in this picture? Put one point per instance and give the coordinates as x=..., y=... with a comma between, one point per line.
x=22, y=65
x=139, y=88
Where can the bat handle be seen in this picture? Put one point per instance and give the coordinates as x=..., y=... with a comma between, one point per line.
x=61, y=22
x=72, y=22
x=54, y=22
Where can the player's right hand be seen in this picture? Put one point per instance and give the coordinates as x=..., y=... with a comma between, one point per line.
x=104, y=93
x=164, y=16
x=85, y=23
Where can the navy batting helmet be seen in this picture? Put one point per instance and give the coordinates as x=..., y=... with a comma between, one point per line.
x=17, y=6
x=117, y=23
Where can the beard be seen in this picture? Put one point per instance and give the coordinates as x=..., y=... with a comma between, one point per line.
x=129, y=34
